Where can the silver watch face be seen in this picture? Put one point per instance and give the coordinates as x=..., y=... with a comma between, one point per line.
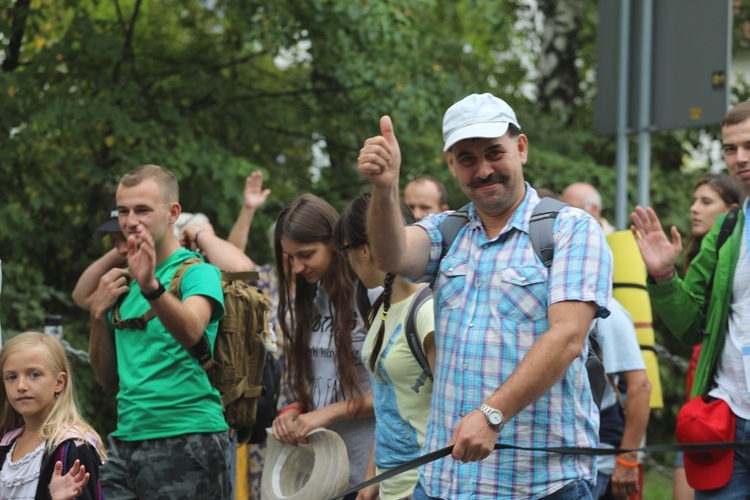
x=495, y=418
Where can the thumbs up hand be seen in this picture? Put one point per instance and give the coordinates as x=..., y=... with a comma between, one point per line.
x=380, y=158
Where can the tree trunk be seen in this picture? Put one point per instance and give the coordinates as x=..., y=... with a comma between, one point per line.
x=19, y=14
x=558, y=82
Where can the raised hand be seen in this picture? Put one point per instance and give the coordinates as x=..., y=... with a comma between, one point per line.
x=70, y=485
x=254, y=194
x=380, y=158
x=659, y=254
x=142, y=258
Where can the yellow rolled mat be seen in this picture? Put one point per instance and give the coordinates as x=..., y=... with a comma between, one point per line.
x=241, y=485
x=629, y=288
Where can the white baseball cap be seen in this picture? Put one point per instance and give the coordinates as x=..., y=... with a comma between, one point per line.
x=477, y=115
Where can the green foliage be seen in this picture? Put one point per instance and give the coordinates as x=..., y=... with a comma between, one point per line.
x=27, y=298
x=656, y=486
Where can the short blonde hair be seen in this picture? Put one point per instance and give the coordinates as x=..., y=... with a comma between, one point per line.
x=163, y=177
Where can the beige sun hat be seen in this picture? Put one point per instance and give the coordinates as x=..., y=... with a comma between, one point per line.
x=314, y=471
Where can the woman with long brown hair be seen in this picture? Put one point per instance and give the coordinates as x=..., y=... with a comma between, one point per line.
x=323, y=334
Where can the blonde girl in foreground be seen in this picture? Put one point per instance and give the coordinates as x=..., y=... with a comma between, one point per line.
x=47, y=449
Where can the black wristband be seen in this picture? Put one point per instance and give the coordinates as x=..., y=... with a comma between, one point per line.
x=155, y=294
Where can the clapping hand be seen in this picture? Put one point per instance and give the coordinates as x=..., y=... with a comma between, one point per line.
x=142, y=258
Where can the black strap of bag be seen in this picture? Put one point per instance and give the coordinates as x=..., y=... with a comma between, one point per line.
x=724, y=233
x=412, y=336
x=566, y=450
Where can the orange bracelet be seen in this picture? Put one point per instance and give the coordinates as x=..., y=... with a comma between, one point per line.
x=291, y=407
x=625, y=463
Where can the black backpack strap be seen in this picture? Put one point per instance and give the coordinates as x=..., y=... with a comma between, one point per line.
x=362, y=299
x=727, y=227
x=449, y=228
x=540, y=228
x=202, y=352
x=412, y=337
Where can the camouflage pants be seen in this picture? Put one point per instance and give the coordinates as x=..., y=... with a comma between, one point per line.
x=179, y=467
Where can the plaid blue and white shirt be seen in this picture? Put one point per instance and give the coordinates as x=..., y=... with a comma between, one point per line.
x=491, y=306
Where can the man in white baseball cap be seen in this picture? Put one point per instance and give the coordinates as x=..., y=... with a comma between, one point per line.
x=510, y=332
x=477, y=116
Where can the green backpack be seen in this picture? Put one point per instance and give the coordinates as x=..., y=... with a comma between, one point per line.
x=236, y=367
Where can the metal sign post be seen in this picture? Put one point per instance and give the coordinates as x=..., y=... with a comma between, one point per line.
x=674, y=64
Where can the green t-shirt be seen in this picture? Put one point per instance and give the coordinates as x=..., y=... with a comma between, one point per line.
x=164, y=391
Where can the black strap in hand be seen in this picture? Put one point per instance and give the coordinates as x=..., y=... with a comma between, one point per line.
x=567, y=450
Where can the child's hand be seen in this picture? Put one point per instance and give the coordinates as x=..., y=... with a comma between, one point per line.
x=70, y=485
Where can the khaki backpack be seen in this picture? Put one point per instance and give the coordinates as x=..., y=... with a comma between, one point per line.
x=236, y=367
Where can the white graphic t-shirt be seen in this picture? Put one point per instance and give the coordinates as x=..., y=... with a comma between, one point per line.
x=326, y=386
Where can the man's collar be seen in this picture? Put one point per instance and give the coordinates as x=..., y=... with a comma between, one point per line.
x=518, y=219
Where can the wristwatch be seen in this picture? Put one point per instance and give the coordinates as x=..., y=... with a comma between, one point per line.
x=155, y=294
x=494, y=417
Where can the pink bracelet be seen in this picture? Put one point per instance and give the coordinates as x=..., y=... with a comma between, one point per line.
x=666, y=273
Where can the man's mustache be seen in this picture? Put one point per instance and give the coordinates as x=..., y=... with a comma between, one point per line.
x=491, y=179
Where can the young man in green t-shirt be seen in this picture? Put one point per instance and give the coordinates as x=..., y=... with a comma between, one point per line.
x=171, y=439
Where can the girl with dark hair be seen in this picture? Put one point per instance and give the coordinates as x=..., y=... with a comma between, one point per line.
x=401, y=413
x=323, y=334
x=714, y=195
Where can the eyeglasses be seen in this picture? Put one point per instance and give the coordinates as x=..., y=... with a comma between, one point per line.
x=350, y=246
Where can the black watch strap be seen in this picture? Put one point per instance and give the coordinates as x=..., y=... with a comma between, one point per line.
x=155, y=294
